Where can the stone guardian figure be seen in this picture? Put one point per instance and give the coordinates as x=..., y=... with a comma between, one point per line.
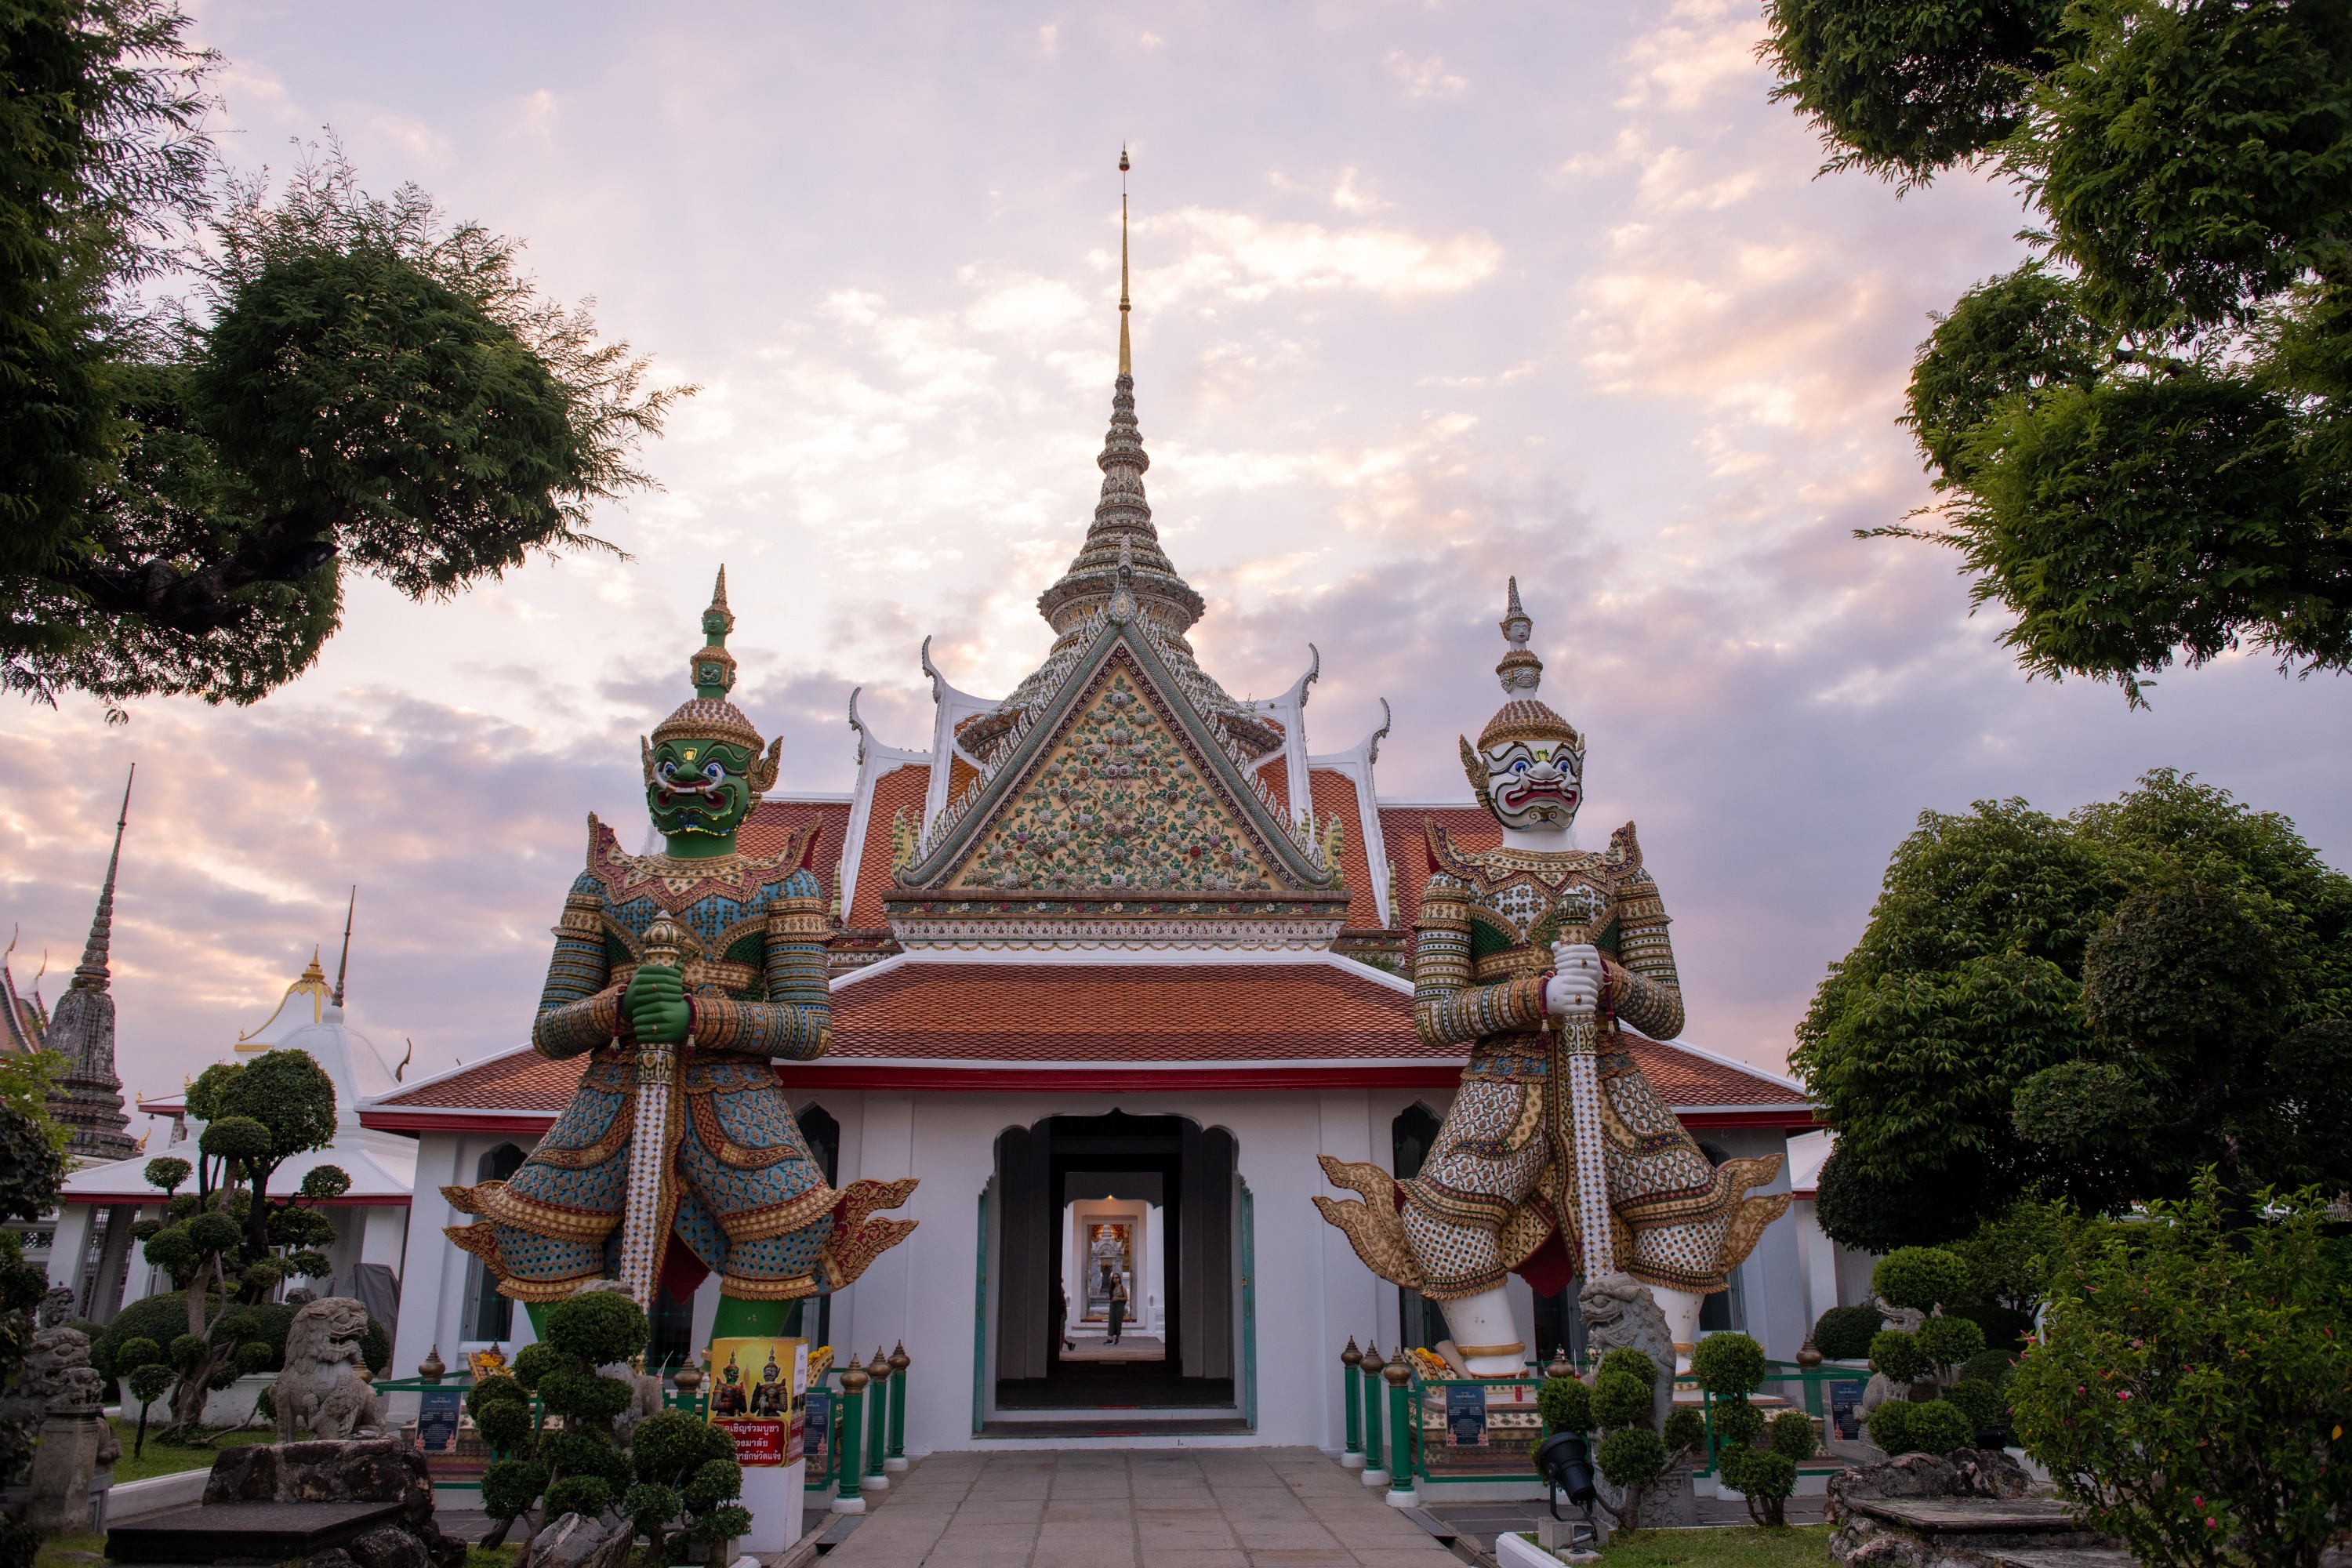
x=1542, y=959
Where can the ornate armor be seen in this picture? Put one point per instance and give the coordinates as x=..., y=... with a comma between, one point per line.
x=1506, y=1175
x=739, y=1193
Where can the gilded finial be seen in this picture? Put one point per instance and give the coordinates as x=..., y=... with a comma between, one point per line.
x=1126, y=358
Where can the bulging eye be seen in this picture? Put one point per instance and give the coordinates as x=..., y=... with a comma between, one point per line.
x=1520, y=767
x=714, y=772
x=668, y=770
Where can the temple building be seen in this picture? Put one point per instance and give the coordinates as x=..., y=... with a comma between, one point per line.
x=370, y=1218
x=85, y=1098
x=1118, y=956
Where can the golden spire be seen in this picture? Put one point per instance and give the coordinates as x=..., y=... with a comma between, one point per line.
x=1126, y=361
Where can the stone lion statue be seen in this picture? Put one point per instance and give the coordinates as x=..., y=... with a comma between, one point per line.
x=1620, y=1313
x=322, y=1391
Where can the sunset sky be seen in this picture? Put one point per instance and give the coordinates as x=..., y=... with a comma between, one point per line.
x=1425, y=295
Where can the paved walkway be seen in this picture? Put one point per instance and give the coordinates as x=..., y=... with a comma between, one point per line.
x=1148, y=1507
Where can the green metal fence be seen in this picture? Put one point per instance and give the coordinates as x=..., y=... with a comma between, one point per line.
x=869, y=1422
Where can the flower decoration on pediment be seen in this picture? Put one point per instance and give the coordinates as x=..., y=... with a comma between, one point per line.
x=1118, y=800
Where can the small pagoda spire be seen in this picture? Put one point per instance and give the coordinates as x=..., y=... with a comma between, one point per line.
x=87, y=1096
x=1126, y=358
x=90, y=974
x=1520, y=671
x=343, y=967
x=1122, y=514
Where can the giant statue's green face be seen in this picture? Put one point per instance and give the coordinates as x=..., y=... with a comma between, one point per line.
x=698, y=787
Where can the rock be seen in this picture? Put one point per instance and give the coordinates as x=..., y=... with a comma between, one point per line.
x=1886, y=1515
x=366, y=1469
x=390, y=1547
x=333, y=1557
x=577, y=1541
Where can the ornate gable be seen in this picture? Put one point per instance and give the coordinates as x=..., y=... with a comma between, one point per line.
x=1117, y=799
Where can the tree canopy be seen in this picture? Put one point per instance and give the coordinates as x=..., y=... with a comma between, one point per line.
x=353, y=383
x=2141, y=435
x=2090, y=1007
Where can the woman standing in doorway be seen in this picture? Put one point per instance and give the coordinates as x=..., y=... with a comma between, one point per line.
x=1117, y=1305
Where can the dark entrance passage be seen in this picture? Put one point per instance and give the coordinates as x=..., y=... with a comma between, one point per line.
x=1191, y=1170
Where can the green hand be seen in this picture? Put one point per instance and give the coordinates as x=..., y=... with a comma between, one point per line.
x=656, y=1003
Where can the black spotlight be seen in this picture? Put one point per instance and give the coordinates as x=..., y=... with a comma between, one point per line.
x=1566, y=1464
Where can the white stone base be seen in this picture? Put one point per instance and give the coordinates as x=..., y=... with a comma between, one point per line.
x=1376, y=1477
x=1351, y=1461
x=1406, y=1497
x=894, y=1466
x=776, y=1496
x=873, y=1483
x=848, y=1505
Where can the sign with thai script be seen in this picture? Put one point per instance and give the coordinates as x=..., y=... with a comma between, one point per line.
x=1466, y=1416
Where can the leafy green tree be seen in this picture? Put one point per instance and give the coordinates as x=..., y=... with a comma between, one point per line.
x=1842, y=1334
x=230, y=1244
x=2141, y=434
x=2193, y=1381
x=355, y=384
x=31, y=1169
x=2081, y=1009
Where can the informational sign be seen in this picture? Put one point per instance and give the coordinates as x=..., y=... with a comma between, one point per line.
x=1466, y=1416
x=817, y=1427
x=758, y=1392
x=439, y=1413
x=1845, y=1410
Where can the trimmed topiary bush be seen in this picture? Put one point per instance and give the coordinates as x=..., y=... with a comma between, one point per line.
x=1981, y=1402
x=1897, y=1355
x=1727, y=1363
x=1766, y=1480
x=1792, y=1436
x=1923, y=1277
x=1565, y=1405
x=1842, y=1334
x=1937, y=1426
x=1948, y=1341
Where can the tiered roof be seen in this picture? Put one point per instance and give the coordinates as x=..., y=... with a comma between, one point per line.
x=1118, y=876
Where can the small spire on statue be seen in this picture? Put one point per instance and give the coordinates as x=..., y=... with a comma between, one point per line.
x=1521, y=671
x=713, y=667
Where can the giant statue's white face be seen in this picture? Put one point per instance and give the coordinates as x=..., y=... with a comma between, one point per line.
x=1535, y=784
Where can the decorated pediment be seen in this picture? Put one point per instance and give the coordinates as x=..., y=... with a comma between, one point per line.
x=1119, y=783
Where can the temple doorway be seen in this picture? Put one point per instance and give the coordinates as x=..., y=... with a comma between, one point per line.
x=1088, y=1208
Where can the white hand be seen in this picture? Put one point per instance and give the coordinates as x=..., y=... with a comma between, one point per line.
x=1575, y=985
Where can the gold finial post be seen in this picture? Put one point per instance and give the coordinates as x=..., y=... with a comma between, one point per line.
x=1126, y=358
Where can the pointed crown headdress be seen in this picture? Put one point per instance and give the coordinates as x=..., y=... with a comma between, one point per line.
x=1521, y=717
x=707, y=715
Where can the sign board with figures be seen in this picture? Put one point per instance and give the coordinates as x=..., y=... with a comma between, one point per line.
x=759, y=1392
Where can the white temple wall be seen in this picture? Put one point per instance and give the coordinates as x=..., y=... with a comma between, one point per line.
x=1772, y=1280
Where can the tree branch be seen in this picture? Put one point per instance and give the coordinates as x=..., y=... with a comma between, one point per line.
x=287, y=549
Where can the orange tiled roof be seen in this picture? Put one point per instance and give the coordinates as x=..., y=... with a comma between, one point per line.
x=902, y=789
x=764, y=831
x=1122, y=1013
x=1403, y=827
x=1334, y=794
x=912, y=1020
x=1275, y=776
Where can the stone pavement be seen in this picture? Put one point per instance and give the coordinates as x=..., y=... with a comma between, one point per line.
x=1144, y=1508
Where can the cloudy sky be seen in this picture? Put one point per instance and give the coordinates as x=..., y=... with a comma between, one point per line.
x=1425, y=294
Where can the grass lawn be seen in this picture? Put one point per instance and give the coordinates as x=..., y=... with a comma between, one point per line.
x=164, y=1458
x=491, y=1556
x=71, y=1551
x=1746, y=1546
